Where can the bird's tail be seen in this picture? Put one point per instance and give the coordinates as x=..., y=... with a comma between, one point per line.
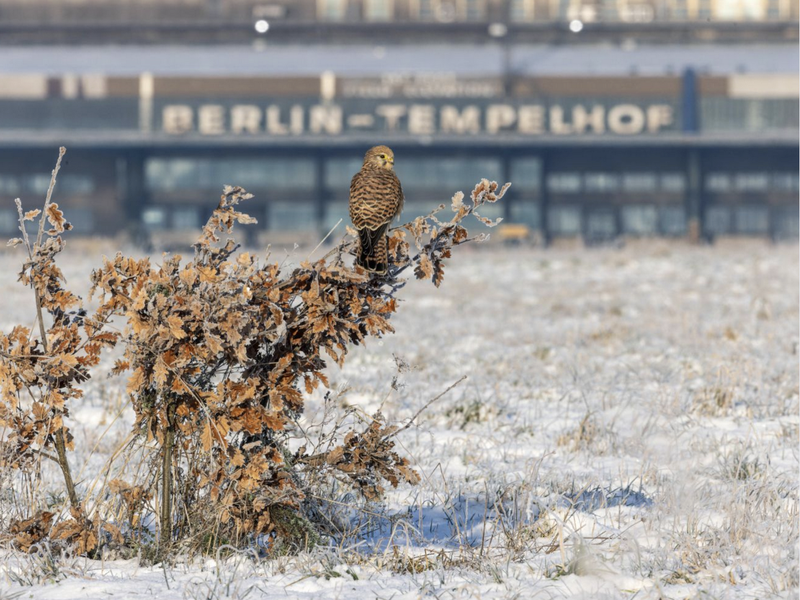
x=373, y=250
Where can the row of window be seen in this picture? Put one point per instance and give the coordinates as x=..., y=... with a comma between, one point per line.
x=37, y=184
x=282, y=215
x=567, y=182
x=173, y=174
x=82, y=220
x=642, y=220
x=587, y=10
x=748, y=114
x=759, y=181
x=560, y=220
x=179, y=174
x=424, y=10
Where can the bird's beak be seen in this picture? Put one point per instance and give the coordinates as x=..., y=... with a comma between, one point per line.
x=391, y=160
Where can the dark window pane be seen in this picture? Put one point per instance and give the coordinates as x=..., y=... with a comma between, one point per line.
x=718, y=183
x=447, y=174
x=174, y=174
x=82, y=219
x=601, y=225
x=185, y=218
x=525, y=173
x=335, y=211
x=751, y=182
x=564, y=220
x=639, y=182
x=674, y=183
x=673, y=220
x=785, y=182
x=8, y=221
x=9, y=184
x=787, y=223
x=564, y=183
x=526, y=212
x=752, y=219
x=718, y=220
x=154, y=218
x=75, y=185
x=640, y=220
x=600, y=183
x=339, y=172
x=291, y=216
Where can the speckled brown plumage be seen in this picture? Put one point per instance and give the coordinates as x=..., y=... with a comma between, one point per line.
x=376, y=198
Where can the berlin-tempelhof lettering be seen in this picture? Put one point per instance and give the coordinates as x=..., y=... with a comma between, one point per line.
x=416, y=119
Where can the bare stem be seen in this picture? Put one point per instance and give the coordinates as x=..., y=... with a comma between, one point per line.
x=167, y=484
x=61, y=152
x=60, y=438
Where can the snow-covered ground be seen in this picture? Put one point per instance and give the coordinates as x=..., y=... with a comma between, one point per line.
x=628, y=429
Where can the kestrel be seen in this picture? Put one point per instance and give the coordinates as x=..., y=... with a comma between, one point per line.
x=376, y=198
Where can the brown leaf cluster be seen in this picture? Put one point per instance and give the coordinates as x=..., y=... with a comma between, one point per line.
x=367, y=458
x=434, y=239
x=39, y=374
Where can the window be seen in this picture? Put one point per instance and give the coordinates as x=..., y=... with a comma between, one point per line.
x=601, y=225
x=412, y=210
x=521, y=10
x=81, y=219
x=447, y=174
x=291, y=216
x=379, y=10
x=639, y=182
x=339, y=172
x=473, y=10
x=185, y=219
x=752, y=219
x=785, y=182
x=751, y=182
x=718, y=220
x=787, y=223
x=9, y=184
x=600, y=183
x=564, y=183
x=175, y=174
x=639, y=220
x=331, y=10
x=673, y=183
x=8, y=220
x=718, y=183
x=426, y=10
x=564, y=220
x=335, y=211
x=75, y=185
x=154, y=218
x=525, y=173
x=672, y=219
x=525, y=212
x=37, y=184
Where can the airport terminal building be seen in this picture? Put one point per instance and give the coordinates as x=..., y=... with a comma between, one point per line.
x=599, y=140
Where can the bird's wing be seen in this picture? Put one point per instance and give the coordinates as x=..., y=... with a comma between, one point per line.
x=375, y=198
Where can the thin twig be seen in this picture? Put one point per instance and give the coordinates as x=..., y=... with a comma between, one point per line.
x=424, y=407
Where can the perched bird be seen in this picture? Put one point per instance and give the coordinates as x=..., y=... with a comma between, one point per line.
x=376, y=198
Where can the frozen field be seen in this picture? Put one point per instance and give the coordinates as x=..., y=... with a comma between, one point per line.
x=628, y=429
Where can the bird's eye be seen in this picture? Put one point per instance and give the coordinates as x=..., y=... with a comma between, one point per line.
x=383, y=156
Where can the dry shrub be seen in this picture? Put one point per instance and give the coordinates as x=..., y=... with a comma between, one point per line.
x=220, y=350
x=39, y=376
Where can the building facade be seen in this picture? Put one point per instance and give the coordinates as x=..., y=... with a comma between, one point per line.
x=597, y=142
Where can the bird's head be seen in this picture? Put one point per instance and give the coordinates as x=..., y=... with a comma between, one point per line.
x=379, y=157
